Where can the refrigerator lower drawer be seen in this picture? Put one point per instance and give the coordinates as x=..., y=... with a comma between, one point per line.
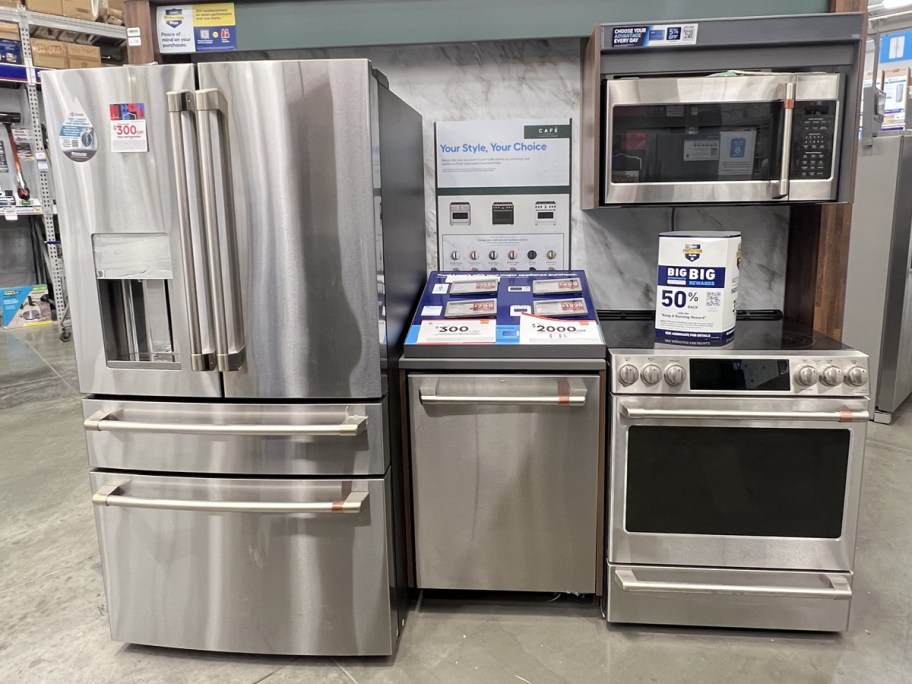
x=335, y=440
x=718, y=597
x=297, y=567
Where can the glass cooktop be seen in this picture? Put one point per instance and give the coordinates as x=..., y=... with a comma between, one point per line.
x=756, y=330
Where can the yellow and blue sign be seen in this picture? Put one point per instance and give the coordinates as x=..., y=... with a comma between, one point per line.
x=209, y=27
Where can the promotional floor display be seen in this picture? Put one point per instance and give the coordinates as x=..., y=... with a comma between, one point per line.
x=503, y=195
x=528, y=314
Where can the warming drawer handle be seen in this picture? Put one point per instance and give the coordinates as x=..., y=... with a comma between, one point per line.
x=103, y=421
x=842, y=416
x=839, y=588
x=108, y=495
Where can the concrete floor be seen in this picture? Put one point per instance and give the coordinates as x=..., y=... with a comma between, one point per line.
x=53, y=623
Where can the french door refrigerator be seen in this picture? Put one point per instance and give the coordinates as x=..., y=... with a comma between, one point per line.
x=245, y=243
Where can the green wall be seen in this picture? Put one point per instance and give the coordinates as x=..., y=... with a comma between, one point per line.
x=327, y=23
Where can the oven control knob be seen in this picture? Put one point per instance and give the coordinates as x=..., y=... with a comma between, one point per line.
x=511, y=255
x=473, y=255
x=492, y=255
x=806, y=375
x=651, y=374
x=674, y=374
x=856, y=376
x=831, y=376
x=628, y=374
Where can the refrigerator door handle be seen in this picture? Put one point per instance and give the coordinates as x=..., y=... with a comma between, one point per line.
x=229, y=357
x=103, y=421
x=178, y=102
x=109, y=495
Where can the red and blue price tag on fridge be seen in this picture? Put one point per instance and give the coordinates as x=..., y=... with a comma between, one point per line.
x=128, y=127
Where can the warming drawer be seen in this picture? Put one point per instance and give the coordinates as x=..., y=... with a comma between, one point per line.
x=283, y=566
x=505, y=481
x=250, y=439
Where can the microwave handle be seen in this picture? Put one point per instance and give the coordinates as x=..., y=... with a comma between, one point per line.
x=781, y=187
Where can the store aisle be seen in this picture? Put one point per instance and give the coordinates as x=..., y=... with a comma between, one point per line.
x=53, y=622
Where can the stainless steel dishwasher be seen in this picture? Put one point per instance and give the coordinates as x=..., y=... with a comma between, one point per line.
x=506, y=444
x=505, y=471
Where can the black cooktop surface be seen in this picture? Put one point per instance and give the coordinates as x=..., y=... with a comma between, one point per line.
x=754, y=331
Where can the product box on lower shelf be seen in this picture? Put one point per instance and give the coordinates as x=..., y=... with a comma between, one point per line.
x=83, y=56
x=25, y=306
x=10, y=43
x=50, y=54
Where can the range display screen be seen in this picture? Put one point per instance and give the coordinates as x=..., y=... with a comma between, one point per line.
x=764, y=375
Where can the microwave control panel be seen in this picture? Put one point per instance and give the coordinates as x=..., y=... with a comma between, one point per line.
x=813, y=134
x=491, y=233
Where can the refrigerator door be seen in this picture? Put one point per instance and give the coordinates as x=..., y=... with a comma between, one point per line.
x=291, y=205
x=129, y=227
x=237, y=439
x=281, y=566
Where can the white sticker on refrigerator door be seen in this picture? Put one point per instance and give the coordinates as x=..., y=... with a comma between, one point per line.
x=128, y=127
x=78, y=139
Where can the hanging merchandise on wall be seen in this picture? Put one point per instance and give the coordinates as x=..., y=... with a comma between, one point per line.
x=697, y=292
x=503, y=195
x=896, y=88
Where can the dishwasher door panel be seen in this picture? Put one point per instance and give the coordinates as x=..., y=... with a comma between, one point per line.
x=505, y=479
x=335, y=440
x=298, y=567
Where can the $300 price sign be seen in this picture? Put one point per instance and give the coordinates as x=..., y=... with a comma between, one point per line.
x=129, y=136
x=455, y=331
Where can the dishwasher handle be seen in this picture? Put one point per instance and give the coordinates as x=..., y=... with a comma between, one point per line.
x=103, y=421
x=109, y=495
x=839, y=588
x=566, y=394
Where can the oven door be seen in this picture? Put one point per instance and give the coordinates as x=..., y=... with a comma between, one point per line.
x=739, y=483
x=721, y=139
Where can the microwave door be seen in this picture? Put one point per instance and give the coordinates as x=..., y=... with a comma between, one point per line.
x=138, y=312
x=291, y=141
x=707, y=139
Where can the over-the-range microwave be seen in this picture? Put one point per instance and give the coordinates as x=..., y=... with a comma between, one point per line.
x=763, y=137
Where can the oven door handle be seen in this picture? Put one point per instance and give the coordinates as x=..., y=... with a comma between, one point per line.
x=109, y=495
x=842, y=416
x=839, y=588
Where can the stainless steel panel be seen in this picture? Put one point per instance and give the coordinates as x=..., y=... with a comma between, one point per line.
x=181, y=572
x=256, y=439
x=505, y=492
x=127, y=194
x=304, y=213
x=758, y=599
x=778, y=553
x=763, y=88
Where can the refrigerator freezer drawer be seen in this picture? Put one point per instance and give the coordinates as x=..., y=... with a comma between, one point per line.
x=505, y=481
x=245, y=439
x=299, y=567
x=720, y=597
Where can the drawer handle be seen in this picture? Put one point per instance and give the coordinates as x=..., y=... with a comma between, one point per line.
x=843, y=416
x=108, y=495
x=839, y=587
x=103, y=421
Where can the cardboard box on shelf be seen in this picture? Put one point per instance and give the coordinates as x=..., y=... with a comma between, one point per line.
x=87, y=10
x=83, y=56
x=111, y=12
x=46, y=6
x=49, y=54
x=10, y=43
x=9, y=3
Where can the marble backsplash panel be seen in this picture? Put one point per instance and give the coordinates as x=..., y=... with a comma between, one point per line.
x=541, y=79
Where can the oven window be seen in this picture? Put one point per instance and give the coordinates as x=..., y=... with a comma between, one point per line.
x=761, y=482
x=726, y=141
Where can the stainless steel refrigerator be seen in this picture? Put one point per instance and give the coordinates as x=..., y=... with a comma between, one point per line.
x=878, y=307
x=244, y=244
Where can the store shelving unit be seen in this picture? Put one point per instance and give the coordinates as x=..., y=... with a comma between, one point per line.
x=29, y=75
